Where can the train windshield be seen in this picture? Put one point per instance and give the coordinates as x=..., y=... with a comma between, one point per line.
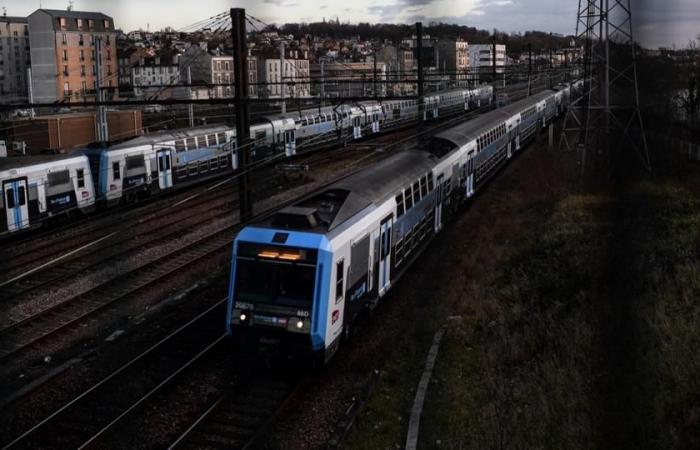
x=275, y=283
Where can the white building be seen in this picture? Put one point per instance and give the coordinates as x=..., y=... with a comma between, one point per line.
x=293, y=76
x=154, y=72
x=481, y=57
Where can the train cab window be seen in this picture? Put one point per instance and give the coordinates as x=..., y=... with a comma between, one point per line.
x=399, y=206
x=339, y=270
x=116, y=174
x=430, y=182
x=416, y=192
x=409, y=199
x=423, y=187
x=58, y=178
x=80, y=176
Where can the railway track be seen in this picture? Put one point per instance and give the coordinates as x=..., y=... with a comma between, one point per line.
x=90, y=416
x=240, y=416
x=73, y=311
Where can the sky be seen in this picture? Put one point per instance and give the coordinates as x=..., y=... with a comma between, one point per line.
x=656, y=22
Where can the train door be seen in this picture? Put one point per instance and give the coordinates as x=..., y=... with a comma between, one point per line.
x=290, y=147
x=385, y=229
x=375, y=122
x=356, y=127
x=165, y=169
x=439, y=192
x=16, y=204
x=470, y=174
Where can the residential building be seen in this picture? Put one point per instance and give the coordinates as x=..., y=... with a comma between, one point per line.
x=14, y=58
x=215, y=70
x=481, y=58
x=453, y=57
x=289, y=77
x=62, y=45
x=348, y=79
x=155, y=71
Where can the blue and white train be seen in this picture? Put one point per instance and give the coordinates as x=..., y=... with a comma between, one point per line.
x=37, y=188
x=303, y=275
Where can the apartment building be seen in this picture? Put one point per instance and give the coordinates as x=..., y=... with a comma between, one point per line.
x=63, y=54
x=215, y=70
x=14, y=58
x=481, y=58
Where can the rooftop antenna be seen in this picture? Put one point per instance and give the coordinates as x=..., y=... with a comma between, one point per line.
x=4, y=11
x=70, y=5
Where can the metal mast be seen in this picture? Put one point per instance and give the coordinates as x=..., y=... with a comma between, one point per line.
x=606, y=116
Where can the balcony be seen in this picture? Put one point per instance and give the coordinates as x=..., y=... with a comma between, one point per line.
x=67, y=93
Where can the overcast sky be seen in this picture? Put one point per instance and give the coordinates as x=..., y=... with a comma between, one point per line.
x=657, y=22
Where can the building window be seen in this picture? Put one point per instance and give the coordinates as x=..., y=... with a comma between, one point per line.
x=79, y=23
x=64, y=39
x=108, y=40
x=65, y=55
x=65, y=70
x=82, y=55
x=84, y=86
x=91, y=24
x=80, y=175
x=109, y=55
x=62, y=22
x=82, y=71
x=80, y=39
x=106, y=23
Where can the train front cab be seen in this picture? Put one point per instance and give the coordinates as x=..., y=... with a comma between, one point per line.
x=278, y=292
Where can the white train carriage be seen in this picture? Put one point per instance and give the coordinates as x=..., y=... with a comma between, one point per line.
x=300, y=277
x=160, y=161
x=35, y=188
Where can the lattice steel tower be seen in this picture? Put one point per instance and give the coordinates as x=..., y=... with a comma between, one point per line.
x=606, y=117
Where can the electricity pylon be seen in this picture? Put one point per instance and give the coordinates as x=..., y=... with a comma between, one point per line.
x=606, y=116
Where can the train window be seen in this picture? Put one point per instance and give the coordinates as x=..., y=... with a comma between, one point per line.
x=416, y=192
x=10, y=193
x=80, y=176
x=430, y=181
x=180, y=146
x=116, y=174
x=423, y=187
x=409, y=199
x=191, y=143
x=211, y=140
x=57, y=178
x=399, y=206
x=222, y=138
x=339, y=269
x=259, y=136
x=134, y=162
x=21, y=195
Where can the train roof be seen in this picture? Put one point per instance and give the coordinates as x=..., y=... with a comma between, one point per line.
x=167, y=135
x=340, y=201
x=461, y=135
x=14, y=162
x=309, y=112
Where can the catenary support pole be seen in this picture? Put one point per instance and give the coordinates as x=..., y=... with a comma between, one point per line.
x=240, y=89
x=419, y=53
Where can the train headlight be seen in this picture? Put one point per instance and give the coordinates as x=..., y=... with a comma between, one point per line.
x=243, y=317
x=298, y=325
